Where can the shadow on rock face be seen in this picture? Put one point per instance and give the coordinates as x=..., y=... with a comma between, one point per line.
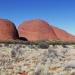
x=23, y=39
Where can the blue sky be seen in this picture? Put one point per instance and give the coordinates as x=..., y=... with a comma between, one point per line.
x=60, y=13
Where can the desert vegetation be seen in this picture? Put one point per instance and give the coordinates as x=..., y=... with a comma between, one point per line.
x=18, y=41
x=37, y=58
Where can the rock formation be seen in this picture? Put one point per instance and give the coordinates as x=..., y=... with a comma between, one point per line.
x=62, y=35
x=8, y=30
x=34, y=30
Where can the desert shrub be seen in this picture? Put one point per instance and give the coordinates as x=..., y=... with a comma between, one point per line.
x=64, y=46
x=53, y=42
x=7, y=45
x=32, y=46
x=13, y=53
x=43, y=45
x=52, y=53
x=1, y=45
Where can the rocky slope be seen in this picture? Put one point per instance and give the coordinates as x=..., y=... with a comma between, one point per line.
x=20, y=59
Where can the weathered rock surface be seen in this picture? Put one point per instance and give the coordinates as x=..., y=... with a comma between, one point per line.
x=34, y=30
x=8, y=30
x=35, y=61
x=63, y=35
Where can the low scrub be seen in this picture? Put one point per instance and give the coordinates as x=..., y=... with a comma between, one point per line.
x=43, y=45
x=38, y=42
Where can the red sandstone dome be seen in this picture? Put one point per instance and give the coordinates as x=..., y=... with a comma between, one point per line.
x=34, y=30
x=8, y=30
x=62, y=35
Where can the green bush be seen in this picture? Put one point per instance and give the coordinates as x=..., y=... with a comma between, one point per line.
x=43, y=45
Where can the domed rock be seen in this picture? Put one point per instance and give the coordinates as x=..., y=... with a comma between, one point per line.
x=8, y=30
x=35, y=30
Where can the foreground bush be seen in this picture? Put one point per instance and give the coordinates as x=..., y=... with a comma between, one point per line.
x=43, y=45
